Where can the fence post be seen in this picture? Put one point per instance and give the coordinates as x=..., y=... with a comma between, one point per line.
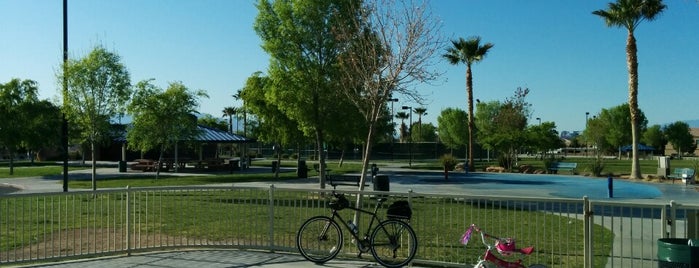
x=128, y=220
x=664, y=221
x=271, y=217
x=673, y=219
x=587, y=232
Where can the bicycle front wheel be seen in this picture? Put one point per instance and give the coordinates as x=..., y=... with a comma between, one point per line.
x=393, y=243
x=319, y=239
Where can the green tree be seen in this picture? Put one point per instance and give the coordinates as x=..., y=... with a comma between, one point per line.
x=501, y=126
x=468, y=51
x=543, y=138
x=420, y=111
x=655, y=137
x=679, y=136
x=426, y=133
x=629, y=14
x=403, y=127
x=99, y=88
x=16, y=98
x=453, y=127
x=300, y=39
x=230, y=112
x=162, y=118
x=43, y=124
x=213, y=122
x=617, y=126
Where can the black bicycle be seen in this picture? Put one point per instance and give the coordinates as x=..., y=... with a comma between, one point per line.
x=392, y=242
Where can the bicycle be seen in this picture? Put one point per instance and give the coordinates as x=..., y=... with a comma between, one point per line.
x=504, y=246
x=392, y=242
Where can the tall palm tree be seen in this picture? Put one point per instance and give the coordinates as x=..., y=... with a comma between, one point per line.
x=468, y=51
x=403, y=129
x=230, y=112
x=629, y=14
x=420, y=111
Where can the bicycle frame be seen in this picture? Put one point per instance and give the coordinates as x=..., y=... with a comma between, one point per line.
x=374, y=218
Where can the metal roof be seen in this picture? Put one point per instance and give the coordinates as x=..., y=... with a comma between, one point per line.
x=207, y=134
x=215, y=135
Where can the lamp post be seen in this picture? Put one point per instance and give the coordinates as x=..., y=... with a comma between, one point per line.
x=410, y=136
x=539, y=119
x=393, y=127
x=587, y=114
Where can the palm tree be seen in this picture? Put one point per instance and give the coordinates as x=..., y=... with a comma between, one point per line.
x=403, y=129
x=468, y=52
x=230, y=112
x=629, y=14
x=420, y=111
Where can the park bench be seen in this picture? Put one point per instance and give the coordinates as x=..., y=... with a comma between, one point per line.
x=143, y=165
x=685, y=174
x=348, y=180
x=555, y=167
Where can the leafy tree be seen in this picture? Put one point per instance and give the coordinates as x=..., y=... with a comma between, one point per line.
x=543, y=138
x=43, y=124
x=617, y=125
x=16, y=98
x=453, y=127
x=230, y=112
x=655, y=137
x=300, y=38
x=629, y=14
x=213, y=122
x=679, y=136
x=99, y=87
x=501, y=126
x=420, y=111
x=162, y=118
x=426, y=133
x=468, y=51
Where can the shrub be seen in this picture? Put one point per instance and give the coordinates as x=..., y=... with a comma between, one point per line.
x=596, y=167
x=448, y=161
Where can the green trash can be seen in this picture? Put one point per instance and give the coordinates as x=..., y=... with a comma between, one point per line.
x=381, y=183
x=302, y=169
x=122, y=166
x=676, y=252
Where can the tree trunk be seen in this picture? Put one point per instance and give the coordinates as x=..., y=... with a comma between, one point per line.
x=94, y=168
x=469, y=93
x=632, y=62
x=321, y=158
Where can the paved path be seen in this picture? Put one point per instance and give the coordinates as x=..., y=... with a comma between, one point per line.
x=207, y=259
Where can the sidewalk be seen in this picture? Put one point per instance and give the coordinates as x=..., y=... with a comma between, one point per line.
x=207, y=258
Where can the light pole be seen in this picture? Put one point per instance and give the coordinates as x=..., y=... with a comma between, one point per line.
x=410, y=136
x=393, y=126
x=586, y=120
x=539, y=119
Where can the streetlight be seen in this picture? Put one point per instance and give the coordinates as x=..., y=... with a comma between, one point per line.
x=586, y=120
x=393, y=126
x=410, y=137
x=539, y=119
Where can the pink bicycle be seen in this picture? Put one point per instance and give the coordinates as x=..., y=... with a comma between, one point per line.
x=504, y=246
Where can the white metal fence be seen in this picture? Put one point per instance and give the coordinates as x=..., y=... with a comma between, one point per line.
x=564, y=232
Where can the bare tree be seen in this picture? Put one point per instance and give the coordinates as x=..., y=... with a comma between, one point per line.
x=389, y=51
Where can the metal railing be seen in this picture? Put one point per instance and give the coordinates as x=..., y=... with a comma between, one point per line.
x=565, y=232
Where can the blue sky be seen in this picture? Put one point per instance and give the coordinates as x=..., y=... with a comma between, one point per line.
x=571, y=62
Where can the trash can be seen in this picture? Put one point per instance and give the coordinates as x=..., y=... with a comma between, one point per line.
x=301, y=169
x=381, y=183
x=676, y=252
x=275, y=165
x=234, y=165
x=122, y=166
x=374, y=170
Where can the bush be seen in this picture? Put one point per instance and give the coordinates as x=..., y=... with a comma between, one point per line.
x=596, y=167
x=448, y=161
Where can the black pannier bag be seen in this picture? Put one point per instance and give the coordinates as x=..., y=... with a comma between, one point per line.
x=399, y=210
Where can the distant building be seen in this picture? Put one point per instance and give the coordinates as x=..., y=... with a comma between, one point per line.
x=669, y=150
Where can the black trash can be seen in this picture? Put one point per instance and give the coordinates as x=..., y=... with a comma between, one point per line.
x=676, y=252
x=122, y=166
x=381, y=183
x=302, y=169
x=234, y=165
x=275, y=165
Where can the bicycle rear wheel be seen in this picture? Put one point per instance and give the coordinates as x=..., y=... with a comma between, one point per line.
x=393, y=243
x=319, y=239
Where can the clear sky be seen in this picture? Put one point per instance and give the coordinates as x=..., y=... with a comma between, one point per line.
x=571, y=62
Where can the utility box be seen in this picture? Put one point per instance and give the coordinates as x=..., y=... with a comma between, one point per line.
x=663, y=166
